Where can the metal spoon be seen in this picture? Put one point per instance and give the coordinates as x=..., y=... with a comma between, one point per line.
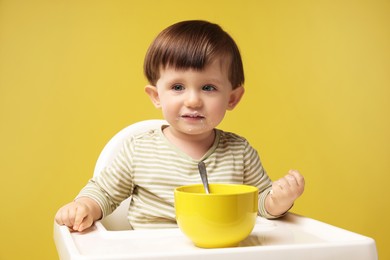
x=203, y=176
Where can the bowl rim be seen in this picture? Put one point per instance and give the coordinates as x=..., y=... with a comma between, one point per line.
x=250, y=187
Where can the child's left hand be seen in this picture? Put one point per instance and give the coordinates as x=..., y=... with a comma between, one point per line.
x=284, y=192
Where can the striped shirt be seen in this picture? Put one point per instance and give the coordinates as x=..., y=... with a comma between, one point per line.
x=148, y=168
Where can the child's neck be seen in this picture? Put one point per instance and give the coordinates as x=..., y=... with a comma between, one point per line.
x=195, y=146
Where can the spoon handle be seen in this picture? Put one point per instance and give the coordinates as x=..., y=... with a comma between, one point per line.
x=203, y=176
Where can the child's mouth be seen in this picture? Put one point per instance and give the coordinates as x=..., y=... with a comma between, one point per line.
x=193, y=116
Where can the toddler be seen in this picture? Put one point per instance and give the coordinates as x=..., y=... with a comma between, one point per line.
x=195, y=75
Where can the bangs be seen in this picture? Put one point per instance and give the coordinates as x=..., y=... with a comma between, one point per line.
x=190, y=51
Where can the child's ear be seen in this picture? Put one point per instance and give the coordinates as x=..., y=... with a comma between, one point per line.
x=235, y=97
x=153, y=94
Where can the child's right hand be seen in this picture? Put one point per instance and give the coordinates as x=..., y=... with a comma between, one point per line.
x=79, y=214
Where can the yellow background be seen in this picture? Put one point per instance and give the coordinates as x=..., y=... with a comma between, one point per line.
x=317, y=99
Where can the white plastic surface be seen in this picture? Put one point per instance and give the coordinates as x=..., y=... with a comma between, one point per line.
x=293, y=237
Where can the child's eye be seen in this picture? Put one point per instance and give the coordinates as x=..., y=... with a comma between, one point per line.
x=177, y=87
x=208, y=88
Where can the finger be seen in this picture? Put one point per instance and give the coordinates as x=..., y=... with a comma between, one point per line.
x=291, y=180
x=284, y=183
x=298, y=177
x=289, y=186
x=87, y=222
x=62, y=216
x=300, y=182
x=58, y=218
x=80, y=214
x=71, y=216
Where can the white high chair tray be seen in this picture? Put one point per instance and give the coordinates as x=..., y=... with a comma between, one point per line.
x=292, y=237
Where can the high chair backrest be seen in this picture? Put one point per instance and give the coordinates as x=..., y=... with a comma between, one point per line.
x=118, y=219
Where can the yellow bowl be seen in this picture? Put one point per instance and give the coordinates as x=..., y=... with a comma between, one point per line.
x=222, y=218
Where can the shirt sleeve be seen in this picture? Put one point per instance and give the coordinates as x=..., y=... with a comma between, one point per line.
x=115, y=182
x=255, y=175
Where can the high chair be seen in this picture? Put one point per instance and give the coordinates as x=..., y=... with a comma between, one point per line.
x=292, y=237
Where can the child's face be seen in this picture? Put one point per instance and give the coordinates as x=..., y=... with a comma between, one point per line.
x=195, y=102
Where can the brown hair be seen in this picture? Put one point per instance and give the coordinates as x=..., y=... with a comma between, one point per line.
x=193, y=45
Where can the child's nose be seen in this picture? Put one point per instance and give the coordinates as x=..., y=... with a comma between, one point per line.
x=193, y=99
